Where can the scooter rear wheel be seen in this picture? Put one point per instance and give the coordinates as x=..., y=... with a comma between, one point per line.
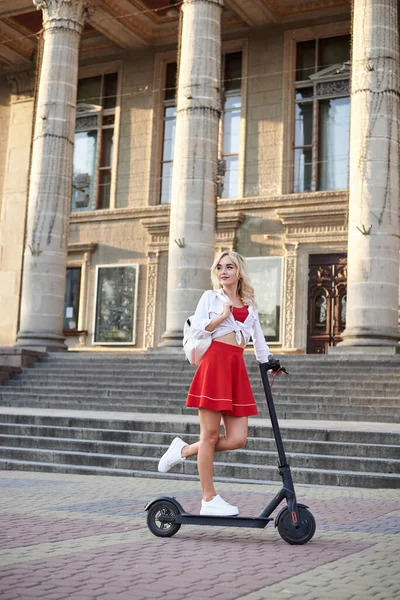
x=301, y=534
x=163, y=508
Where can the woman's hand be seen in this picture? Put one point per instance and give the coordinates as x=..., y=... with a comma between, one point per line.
x=227, y=309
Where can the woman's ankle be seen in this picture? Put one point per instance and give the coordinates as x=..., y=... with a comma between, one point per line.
x=210, y=496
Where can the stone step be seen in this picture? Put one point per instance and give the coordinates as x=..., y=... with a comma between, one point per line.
x=381, y=373
x=286, y=385
x=62, y=461
x=108, y=422
x=340, y=397
x=178, y=395
x=145, y=451
x=381, y=414
x=266, y=444
x=309, y=409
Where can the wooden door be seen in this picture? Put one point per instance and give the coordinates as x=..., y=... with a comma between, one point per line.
x=327, y=296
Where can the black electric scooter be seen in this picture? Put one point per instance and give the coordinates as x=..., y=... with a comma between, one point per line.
x=295, y=523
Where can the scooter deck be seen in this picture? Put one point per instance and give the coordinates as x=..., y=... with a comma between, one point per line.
x=189, y=519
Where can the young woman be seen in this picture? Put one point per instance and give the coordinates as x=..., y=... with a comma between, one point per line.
x=221, y=388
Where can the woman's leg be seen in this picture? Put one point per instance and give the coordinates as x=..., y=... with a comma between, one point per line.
x=236, y=431
x=209, y=435
x=235, y=436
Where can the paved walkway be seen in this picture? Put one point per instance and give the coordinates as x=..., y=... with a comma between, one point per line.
x=85, y=538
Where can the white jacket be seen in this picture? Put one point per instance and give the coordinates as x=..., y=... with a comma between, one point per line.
x=211, y=305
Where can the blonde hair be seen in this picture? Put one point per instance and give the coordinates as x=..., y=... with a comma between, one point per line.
x=245, y=289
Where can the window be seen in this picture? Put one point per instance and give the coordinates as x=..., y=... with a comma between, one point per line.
x=71, y=300
x=94, y=142
x=322, y=115
x=266, y=276
x=168, y=133
x=232, y=105
x=116, y=304
x=230, y=127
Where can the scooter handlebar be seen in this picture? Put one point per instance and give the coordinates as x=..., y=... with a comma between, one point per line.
x=274, y=365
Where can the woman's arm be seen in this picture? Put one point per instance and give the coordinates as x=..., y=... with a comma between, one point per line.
x=213, y=324
x=201, y=320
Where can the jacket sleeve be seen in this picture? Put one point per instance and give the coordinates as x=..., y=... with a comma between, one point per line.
x=201, y=318
x=261, y=348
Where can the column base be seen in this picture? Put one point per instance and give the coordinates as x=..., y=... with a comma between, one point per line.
x=363, y=350
x=43, y=342
x=172, y=338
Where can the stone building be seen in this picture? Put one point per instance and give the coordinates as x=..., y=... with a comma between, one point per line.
x=137, y=137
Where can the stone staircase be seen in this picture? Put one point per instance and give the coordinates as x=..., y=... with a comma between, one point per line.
x=319, y=387
x=54, y=423
x=108, y=445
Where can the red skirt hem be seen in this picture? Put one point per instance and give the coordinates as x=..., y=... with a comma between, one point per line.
x=221, y=382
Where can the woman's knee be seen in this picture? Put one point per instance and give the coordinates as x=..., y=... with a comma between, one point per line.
x=209, y=437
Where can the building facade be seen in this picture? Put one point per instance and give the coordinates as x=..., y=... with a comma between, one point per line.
x=139, y=137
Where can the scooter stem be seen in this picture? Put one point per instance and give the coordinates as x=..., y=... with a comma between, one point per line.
x=272, y=413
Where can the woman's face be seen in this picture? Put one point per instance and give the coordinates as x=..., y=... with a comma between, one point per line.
x=226, y=272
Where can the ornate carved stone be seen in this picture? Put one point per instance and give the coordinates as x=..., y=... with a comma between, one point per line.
x=290, y=295
x=333, y=88
x=22, y=85
x=158, y=228
x=151, y=299
x=227, y=225
x=62, y=14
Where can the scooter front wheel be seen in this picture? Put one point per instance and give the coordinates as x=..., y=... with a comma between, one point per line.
x=296, y=535
x=159, y=527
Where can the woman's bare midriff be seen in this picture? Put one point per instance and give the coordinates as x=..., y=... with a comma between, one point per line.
x=230, y=338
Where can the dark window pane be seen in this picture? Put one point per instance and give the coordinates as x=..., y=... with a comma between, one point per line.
x=170, y=81
x=89, y=90
x=333, y=50
x=305, y=60
x=110, y=90
x=304, y=93
x=107, y=147
x=303, y=124
x=334, y=127
x=320, y=310
x=71, y=299
x=302, y=170
x=233, y=71
x=343, y=308
x=104, y=188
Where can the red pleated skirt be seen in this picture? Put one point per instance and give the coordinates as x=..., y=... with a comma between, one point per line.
x=221, y=382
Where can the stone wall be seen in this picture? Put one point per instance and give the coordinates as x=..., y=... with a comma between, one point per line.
x=15, y=146
x=263, y=162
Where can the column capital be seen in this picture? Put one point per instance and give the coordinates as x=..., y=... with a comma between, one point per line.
x=62, y=14
x=217, y=2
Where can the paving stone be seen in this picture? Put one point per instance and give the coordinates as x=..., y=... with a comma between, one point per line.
x=52, y=548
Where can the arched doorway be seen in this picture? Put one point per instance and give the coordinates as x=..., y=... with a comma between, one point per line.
x=327, y=298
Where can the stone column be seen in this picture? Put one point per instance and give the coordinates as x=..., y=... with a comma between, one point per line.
x=373, y=242
x=43, y=284
x=193, y=203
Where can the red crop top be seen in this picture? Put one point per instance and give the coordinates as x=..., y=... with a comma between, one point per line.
x=240, y=314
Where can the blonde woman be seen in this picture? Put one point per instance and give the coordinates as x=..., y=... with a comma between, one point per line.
x=221, y=388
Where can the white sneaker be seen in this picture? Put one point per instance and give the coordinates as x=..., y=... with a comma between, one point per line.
x=173, y=456
x=217, y=507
